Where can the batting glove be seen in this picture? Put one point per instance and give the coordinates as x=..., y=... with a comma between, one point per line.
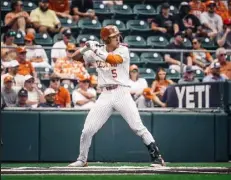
x=93, y=45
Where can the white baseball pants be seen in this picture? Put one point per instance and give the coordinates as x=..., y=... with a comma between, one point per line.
x=118, y=99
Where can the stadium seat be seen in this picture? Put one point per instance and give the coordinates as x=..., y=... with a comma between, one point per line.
x=173, y=74
x=43, y=39
x=69, y=87
x=152, y=57
x=208, y=43
x=173, y=9
x=29, y=6
x=86, y=37
x=41, y=87
x=153, y=60
x=139, y=27
x=58, y=37
x=135, y=41
x=147, y=74
x=199, y=74
x=65, y=22
x=19, y=38
x=122, y=12
x=157, y=41
x=187, y=43
x=102, y=11
x=89, y=26
x=43, y=72
x=135, y=59
x=120, y=24
x=144, y=11
x=5, y=6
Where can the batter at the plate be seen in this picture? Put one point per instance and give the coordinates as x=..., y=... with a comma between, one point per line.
x=113, y=62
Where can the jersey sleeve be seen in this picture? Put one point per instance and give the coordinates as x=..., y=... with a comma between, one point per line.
x=90, y=56
x=123, y=52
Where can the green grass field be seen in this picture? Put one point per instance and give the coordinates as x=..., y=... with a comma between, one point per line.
x=118, y=177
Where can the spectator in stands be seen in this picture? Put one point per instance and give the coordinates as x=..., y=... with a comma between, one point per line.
x=200, y=59
x=7, y=54
x=12, y=70
x=84, y=97
x=83, y=5
x=137, y=84
x=62, y=96
x=113, y=2
x=35, y=96
x=83, y=9
x=215, y=74
x=148, y=99
x=25, y=67
x=211, y=21
x=49, y=94
x=45, y=20
x=221, y=9
x=62, y=9
x=187, y=22
x=197, y=7
x=17, y=19
x=61, y=53
x=189, y=76
x=161, y=82
x=224, y=37
x=221, y=55
x=35, y=53
x=22, y=98
x=174, y=58
x=67, y=68
x=164, y=22
x=8, y=93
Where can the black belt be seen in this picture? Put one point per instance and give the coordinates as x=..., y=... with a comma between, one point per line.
x=111, y=87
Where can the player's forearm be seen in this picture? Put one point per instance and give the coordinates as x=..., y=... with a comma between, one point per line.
x=108, y=57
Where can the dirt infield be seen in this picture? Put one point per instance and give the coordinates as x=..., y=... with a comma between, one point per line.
x=115, y=170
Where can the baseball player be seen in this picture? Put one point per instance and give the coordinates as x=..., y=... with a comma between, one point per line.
x=113, y=62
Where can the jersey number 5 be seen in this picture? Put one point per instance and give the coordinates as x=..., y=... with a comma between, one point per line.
x=114, y=73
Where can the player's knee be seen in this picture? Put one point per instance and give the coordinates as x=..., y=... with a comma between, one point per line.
x=88, y=132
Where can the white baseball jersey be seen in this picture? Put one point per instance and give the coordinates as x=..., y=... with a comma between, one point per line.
x=111, y=74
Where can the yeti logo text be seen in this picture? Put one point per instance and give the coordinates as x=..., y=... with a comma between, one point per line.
x=189, y=93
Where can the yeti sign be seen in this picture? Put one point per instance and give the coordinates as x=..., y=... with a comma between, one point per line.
x=194, y=96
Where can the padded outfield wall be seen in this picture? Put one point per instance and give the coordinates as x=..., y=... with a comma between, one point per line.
x=182, y=136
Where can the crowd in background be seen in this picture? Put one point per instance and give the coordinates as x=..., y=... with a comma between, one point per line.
x=20, y=82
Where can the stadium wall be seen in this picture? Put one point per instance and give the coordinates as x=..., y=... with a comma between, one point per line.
x=54, y=136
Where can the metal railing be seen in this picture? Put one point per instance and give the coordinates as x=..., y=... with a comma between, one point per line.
x=181, y=51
